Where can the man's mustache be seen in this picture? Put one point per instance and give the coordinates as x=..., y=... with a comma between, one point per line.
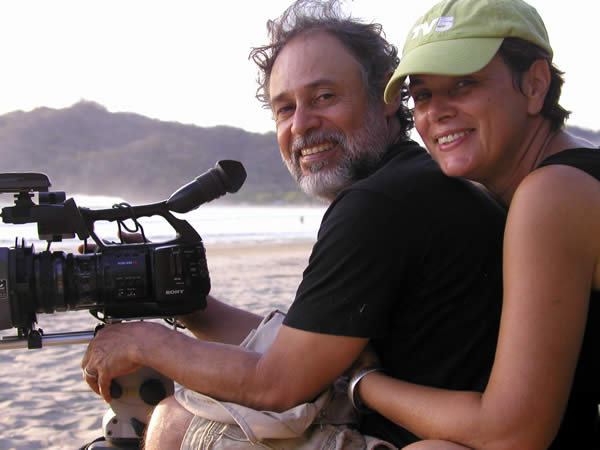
x=316, y=138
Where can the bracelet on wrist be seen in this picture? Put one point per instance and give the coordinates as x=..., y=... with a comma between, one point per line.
x=353, y=389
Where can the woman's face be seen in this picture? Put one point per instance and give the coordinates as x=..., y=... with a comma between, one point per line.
x=473, y=125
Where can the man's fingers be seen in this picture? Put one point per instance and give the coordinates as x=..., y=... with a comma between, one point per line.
x=104, y=388
x=86, y=248
x=131, y=238
x=92, y=383
x=127, y=238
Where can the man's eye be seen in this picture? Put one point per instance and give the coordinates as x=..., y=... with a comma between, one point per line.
x=283, y=111
x=324, y=97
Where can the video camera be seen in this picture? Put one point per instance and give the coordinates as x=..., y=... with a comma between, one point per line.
x=115, y=282
x=118, y=280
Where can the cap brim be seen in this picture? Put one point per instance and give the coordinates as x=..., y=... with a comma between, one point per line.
x=452, y=57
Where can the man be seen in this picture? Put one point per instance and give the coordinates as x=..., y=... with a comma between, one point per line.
x=406, y=258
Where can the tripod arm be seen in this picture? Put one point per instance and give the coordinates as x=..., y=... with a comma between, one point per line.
x=38, y=340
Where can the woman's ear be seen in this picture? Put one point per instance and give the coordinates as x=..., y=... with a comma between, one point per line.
x=535, y=85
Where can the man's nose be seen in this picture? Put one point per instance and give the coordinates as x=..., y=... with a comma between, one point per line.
x=305, y=120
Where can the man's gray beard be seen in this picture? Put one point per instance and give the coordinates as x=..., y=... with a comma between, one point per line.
x=361, y=155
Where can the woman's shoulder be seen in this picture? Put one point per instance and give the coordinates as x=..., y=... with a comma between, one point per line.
x=586, y=159
x=558, y=204
x=570, y=170
x=573, y=186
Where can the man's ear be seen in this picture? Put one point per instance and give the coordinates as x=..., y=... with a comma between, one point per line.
x=391, y=108
x=535, y=85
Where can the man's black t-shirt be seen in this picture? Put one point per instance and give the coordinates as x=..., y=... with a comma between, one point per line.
x=410, y=259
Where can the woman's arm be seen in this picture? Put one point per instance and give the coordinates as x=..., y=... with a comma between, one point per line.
x=551, y=250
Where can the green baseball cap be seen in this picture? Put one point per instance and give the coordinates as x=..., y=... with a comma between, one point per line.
x=459, y=37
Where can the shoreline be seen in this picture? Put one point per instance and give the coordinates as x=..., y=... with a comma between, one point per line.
x=219, y=249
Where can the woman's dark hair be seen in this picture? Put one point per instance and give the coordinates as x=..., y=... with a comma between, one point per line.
x=519, y=55
x=377, y=57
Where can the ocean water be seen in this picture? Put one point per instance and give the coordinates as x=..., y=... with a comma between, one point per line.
x=214, y=223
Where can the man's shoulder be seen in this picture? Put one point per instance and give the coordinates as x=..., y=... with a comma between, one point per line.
x=410, y=181
x=405, y=163
x=409, y=171
x=410, y=155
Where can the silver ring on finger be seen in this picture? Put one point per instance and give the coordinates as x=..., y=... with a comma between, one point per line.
x=89, y=374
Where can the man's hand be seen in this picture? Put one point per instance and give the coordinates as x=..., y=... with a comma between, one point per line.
x=127, y=238
x=116, y=350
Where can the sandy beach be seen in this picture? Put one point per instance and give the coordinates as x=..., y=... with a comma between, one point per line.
x=44, y=400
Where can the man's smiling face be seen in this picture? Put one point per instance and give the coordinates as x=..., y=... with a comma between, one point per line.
x=321, y=108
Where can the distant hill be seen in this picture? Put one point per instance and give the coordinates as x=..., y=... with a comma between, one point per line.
x=85, y=149
x=590, y=135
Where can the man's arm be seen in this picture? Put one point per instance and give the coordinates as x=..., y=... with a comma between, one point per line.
x=295, y=369
x=299, y=364
x=220, y=322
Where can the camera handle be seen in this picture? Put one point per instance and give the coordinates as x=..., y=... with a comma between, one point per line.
x=134, y=397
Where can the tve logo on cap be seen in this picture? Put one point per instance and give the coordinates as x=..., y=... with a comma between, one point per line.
x=443, y=24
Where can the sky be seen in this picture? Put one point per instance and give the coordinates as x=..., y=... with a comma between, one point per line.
x=187, y=60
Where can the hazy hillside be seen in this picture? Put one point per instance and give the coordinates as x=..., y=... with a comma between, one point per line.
x=590, y=135
x=85, y=149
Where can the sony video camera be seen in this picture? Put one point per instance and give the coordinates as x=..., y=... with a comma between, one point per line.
x=117, y=280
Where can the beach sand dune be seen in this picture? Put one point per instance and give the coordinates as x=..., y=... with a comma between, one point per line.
x=43, y=398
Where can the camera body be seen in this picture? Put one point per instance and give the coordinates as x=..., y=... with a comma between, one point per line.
x=118, y=280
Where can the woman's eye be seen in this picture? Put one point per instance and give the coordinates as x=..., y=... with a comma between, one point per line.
x=464, y=83
x=419, y=96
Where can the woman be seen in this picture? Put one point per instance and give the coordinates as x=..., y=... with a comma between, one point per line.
x=486, y=106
